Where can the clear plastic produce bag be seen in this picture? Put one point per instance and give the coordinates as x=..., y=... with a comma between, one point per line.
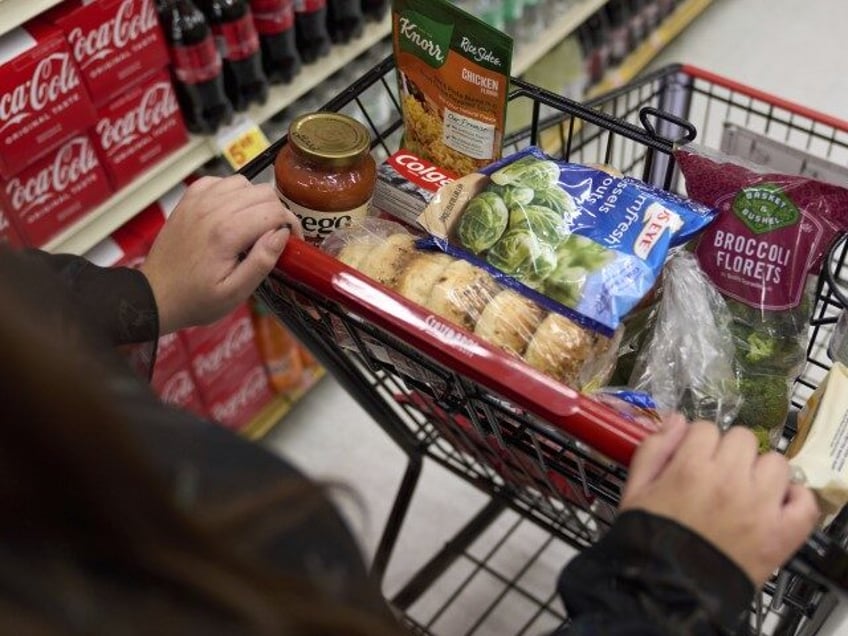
x=687, y=361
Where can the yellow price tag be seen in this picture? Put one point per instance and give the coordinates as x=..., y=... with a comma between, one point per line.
x=241, y=142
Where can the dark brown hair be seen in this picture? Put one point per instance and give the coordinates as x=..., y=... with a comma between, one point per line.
x=75, y=492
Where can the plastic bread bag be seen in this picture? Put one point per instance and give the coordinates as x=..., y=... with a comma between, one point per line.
x=819, y=451
x=763, y=254
x=576, y=239
x=471, y=298
x=686, y=363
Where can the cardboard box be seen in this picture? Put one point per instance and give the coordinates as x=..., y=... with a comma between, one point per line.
x=139, y=129
x=52, y=193
x=43, y=102
x=236, y=402
x=115, y=43
x=180, y=391
x=8, y=234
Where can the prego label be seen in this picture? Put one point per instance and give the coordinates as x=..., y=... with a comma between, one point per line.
x=319, y=225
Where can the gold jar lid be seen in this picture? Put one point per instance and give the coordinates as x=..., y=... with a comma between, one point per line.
x=329, y=139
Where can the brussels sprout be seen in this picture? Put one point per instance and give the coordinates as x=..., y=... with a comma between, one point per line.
x=514, y=196
x=530, y=172
x=483, y=222
x=556, y=199
x=523, y=255
x=579, y=251
x=543, y=222
x=565, y=284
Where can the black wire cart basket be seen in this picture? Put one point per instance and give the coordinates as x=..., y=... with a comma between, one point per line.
x=543, y=453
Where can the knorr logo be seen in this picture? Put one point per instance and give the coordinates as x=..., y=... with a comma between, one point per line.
x=425, y=38
x=765, y=208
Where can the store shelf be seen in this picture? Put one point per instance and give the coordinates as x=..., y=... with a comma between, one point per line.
x=636, y=62
x=16, y=12
x=561, y=28
x=124, y=205
x=272, y=414
x=639, y=59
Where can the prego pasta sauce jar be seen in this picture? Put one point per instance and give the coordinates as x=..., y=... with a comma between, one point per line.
x=325, y=174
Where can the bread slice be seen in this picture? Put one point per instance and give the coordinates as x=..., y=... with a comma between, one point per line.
x=420, y=275
x=355, y=252
x=461, y=293
x=388, y=259
x=509, y=321
x=560, y=348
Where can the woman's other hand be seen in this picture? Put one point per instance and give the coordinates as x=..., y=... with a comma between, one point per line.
x=221, y=241
x=718, y=486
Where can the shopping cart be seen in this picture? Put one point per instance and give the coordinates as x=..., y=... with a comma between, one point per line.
x=543, y=453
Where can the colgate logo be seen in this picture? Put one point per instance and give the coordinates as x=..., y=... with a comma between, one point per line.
x=235, y=342
x=157, y=105
x=125, y=27
x=254, y=386
x=425, y=171
x=74, y=160
x=54, y=77
x=178, y=390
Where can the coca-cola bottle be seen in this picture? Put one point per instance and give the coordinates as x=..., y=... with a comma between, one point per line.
x=195, y=67
x=238, y=44
x=274, y=20
x=310, y=19
x=344, y=20
x=375, y=10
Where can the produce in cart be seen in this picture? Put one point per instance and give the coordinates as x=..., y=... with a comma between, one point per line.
x=763, y=254
x=577, y=240
x=470, y=297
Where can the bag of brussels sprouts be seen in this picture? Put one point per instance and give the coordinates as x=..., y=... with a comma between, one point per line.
x=579, y=240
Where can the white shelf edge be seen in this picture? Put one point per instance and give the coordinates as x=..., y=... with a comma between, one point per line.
x=16, y=12
x=562, y=27
x=129, y=201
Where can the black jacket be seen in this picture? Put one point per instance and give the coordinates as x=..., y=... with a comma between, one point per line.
x=648, y=576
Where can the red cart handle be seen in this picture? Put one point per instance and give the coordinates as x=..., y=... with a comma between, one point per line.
x=594, y=424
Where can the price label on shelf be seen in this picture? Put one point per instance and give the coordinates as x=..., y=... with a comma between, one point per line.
x=241, y=141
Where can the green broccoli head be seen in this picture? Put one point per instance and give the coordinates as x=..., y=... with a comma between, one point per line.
x=760, y=347
x=765, y=401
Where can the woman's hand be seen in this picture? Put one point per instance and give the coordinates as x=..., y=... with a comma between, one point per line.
x=719, y=487
x=218, y=245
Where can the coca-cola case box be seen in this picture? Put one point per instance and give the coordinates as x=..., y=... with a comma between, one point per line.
x=55, y=191
x=129, y=244
x=218, y=349
x=180, y=391
x=138, y=129
x=235, y=404
x=115, y=43
x=42, y=98
x=8, y=235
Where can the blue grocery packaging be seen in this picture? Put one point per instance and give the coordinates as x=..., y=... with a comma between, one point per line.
x=575, y=238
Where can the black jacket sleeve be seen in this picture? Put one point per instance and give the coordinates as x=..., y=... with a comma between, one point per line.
x=651, y=576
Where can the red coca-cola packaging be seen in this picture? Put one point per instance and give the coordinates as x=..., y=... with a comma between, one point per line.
x=180, y=391
x=138, y=129
x=236, y=403
x=129, y=244
x=171, y=356
x=216, y=350
x=54, y=192
x=8, y=235
x=115, y=43
x=42, y=98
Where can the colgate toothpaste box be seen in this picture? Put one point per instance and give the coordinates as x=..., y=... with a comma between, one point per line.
x=237, y=401
x=405, y=186
x=42, y=98
x=115, y=43
x=217, y=349
x=8, y=235
x=54, y=192
x=180, y=391
x=138, y=129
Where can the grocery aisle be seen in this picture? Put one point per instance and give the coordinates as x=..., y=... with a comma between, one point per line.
x=769, y=44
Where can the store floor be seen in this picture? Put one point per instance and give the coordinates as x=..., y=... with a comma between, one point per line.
x=791, y=48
